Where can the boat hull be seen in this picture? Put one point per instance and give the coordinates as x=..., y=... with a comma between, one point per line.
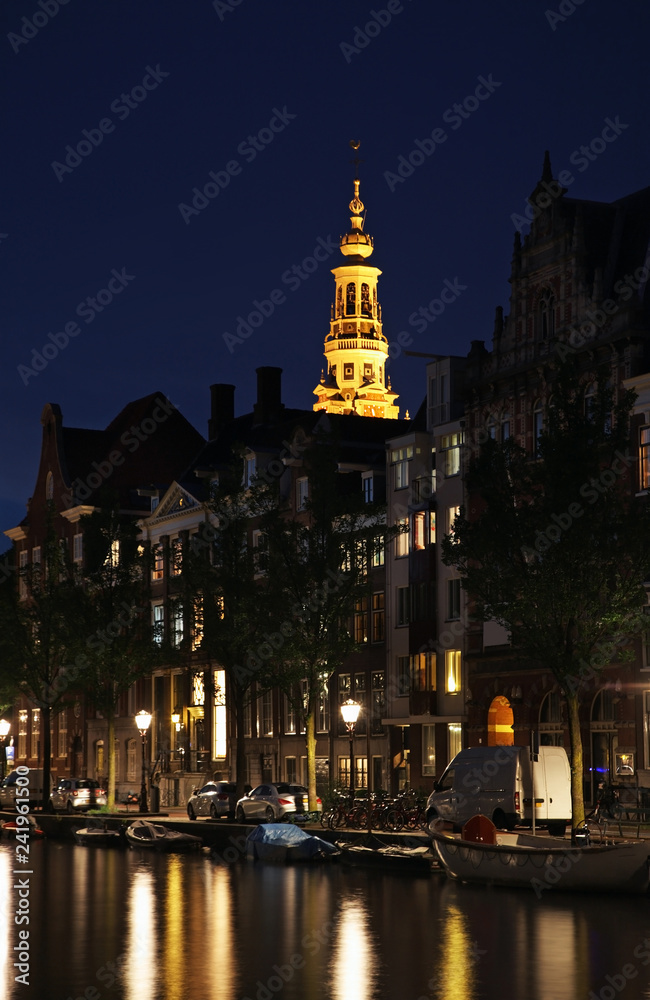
x=155, y=837
x=542, y=863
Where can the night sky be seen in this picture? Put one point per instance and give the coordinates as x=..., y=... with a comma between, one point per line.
x=258, y=99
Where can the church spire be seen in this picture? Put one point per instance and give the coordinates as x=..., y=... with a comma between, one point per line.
x=356, y=349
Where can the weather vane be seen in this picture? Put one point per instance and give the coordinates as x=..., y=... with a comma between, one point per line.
x=354, y=144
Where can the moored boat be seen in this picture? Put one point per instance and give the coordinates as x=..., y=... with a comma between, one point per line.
x=156, y=837
x=11, y=827
x=411, y=860
x=284, y=842
x=522, y=860
x=99, y=835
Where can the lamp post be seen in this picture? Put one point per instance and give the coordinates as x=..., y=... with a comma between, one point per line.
x=4, y=732
x=350, y=712
x=143, y=721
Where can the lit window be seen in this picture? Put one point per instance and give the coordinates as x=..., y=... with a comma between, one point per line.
x=432, y=527
x=22, y=734
x=302, y=492
x=400, y=460
x=451, y=448
x=175, y=557
x=220, y=722
x=378, y=552
x=644, y=457
x=418, y=530
x=402, y=539
x=113, y=555
x=266, y=714
x=323, y=714
x=454, y=739
x=36, y=732
x=289, y=716
x=177, y=625
x=452, y=514
x=36, y=556
x=429, y=749
x=158, y=619
x=157, y=565
x=452, y=671
x=361, y=620
x=422, y=670
x=198, y=688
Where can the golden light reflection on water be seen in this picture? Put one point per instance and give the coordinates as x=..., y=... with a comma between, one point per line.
x=455, y=977
x=354, y=960
x=218, y=934
x=557, y=954
x=6, y=921
x=173, y=954
x=141, y=964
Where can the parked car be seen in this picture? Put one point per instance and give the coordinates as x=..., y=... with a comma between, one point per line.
x=76, y=794
x=274, y=802
x=29, y=781
x=217, y=798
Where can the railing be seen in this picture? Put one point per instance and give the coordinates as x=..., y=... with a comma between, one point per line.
x=193, y=761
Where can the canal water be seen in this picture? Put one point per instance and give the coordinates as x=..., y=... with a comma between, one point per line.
x=126, y=925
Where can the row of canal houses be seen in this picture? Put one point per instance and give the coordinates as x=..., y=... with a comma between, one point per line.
x=429, y=679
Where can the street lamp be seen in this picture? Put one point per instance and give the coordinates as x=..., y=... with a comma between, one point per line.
x=143, y=721
x=4, y=732
x=350, y=711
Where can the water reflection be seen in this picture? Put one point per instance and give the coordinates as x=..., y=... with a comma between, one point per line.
x=354, y=960
x=455, y=976
x=6, y=921
x=218, y=929
x=140, y=967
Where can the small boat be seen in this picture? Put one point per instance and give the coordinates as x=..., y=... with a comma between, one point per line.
x=521, y=860
x=284, y=842
x=98, y=835
x=10, y=828
x=373, y=853
x=155, y=836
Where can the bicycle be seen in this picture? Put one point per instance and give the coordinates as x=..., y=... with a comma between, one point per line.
x=596, y=821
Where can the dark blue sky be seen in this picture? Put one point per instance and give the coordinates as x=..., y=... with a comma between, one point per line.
x=300, y=80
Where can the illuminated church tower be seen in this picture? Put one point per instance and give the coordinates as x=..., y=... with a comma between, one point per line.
x=355, y=348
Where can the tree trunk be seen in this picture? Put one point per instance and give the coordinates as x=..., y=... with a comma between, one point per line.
x=110, y=801
x=310, y=740
x=46, y=745
x=577, y=766
x=239, y=748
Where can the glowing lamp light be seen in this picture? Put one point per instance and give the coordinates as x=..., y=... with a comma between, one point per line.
x=350, y=711
x=4, y=728
x=143, y=721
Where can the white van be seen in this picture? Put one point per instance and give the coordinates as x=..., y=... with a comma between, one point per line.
x=498, y=782
x=30, y=781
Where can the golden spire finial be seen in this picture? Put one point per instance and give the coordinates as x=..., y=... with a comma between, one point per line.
x=356, y=205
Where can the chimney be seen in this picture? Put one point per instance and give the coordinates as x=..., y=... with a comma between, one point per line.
x=222, y=408
x=269, y=395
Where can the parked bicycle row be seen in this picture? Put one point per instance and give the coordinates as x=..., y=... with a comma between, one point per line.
x=406, y=812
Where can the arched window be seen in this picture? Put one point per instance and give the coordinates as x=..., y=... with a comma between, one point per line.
x=130, y=759
x=491, y=427
x=546, y=314
x=551, y=728
x=339, y=301
x=365, y=300
x=505, y=425
x=538, y=425
x=500, y=723
x=590, y=401
x=350, y=299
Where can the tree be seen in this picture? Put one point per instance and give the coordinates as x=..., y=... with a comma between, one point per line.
x=40, y=630
x=555, y=547
x=119, y=642
x=319, y=564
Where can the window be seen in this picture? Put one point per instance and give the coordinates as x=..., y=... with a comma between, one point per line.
x=422, y=670
x=344, y=694
x=197, y=622
x=348, y=371
x=291, y=770
x=402, y=539
x=432, y=527
x=266, y=714
x=454, y=739
x=62, y=746
x=451, y=449
x=350, y=299
x=538, y=426
x=378, y=551
x=453, y=600
x=361, y=620
x=505, y=426
x=452, y=514
x=250, y=470
x=378, y=702
x=289, y=716
x=157, y=565
x=368, y=487
x=260, y=552
x=22, y=563
x=177, y=625
x=400, y=458
x=546, y=316
x=198, y=688
x=323, y=715
x=220, y=731
x=403, y=676
x=344, y=772
x=302, y=492
x=113, y=555
x=644, y=457
x=491, y=427
x=36, y=732
x=452, y=671
x=99, y=758
x=22, y=734
x=36, y=556
x=403, y=606
x=175, y=557
x=130, y=759
x=158, y=620
x=365, y=300
x=378, y=616
x=418, y=530
x=429, y=749
x=339, y=301
x=248, y=719
x=368, y=372
x=77, y=548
